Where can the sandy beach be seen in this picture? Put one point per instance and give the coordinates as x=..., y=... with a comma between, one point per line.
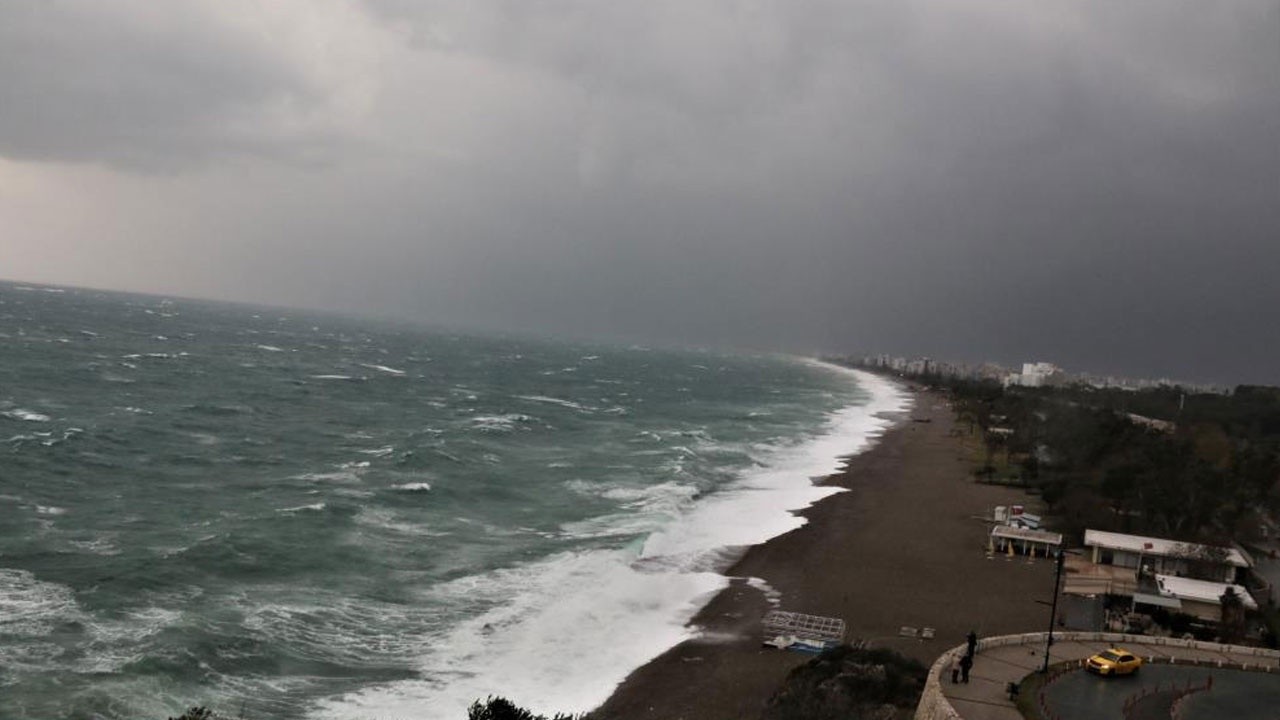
x=903, y=547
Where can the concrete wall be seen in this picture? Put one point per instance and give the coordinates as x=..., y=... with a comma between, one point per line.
x=935, y=706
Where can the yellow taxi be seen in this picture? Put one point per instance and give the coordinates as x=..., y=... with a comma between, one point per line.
x=1115, y=661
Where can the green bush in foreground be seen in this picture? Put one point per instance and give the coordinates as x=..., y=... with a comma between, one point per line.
x=493, y=708
x=497, y=708
x=849, y=684
x=197, y=713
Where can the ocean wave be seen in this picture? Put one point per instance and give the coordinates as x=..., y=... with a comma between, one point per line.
x=332, y=628
x=345, y=475
x=387, y=519
x=602, y=615
x=97, y=546
x=25, y=415
x=557, y=401
x=505, y=423
x=313, y=507
x=31, y=608
x=384, y=369
x=412, y=487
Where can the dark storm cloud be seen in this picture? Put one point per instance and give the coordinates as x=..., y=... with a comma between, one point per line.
x=145, y=85
x=1092, y=183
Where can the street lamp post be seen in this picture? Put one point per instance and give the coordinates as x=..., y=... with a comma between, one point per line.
x=1053, y=611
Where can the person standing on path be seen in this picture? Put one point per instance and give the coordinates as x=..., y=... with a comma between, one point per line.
x=972, y=638
x=955, y=670
x=966, y=663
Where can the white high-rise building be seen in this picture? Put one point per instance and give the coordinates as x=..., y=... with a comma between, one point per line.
x=1037, y=374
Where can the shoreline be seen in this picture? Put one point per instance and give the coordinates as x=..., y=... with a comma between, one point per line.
x=902, y=546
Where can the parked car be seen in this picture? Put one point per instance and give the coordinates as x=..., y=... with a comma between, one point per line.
x=1114, y=661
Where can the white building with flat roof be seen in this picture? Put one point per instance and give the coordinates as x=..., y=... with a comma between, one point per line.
x=1167, y=557
x=1201, y=598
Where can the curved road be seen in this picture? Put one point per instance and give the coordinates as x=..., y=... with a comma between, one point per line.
x=985, y=696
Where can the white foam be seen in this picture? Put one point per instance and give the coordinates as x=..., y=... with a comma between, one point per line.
x=345, y=475
x=413, y=487
x=25, y=415
x=558, y=635
x=30, y=607
x=500, y=423
x=97, y=546
x=314, y=507
x=385, y=369
x=386, y=519
x=269, y=348
x=580, y=623
x=762, y=504
x=556, y=401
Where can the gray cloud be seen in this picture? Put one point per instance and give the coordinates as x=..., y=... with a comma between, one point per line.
x=1094, y=183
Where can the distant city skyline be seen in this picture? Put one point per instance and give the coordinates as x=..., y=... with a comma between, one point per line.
x=1029, y=374
x=1097, y=183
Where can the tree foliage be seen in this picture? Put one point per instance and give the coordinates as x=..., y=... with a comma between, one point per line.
x=848, y=683
x=499, y=708
x=1165, y=462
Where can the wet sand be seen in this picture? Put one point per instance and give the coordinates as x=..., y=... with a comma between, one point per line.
x=903, y=547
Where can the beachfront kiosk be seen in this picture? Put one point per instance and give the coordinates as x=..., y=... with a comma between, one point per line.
x=1014, y=540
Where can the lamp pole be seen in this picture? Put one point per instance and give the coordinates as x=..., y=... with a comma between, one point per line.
x=1053, y=610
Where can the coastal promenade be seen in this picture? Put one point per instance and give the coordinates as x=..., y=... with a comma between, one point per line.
x=1010, y=658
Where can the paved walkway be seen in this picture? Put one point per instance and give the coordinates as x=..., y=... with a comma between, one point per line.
x=985, y=696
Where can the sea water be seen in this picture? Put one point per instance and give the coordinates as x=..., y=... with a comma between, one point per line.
x=287, y=515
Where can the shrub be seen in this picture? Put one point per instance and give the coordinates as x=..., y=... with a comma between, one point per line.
x=499, y=708
x=846, y=683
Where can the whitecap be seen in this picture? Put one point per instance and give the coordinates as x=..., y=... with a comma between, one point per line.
x=314, y=507
x=331, y=377
x=52, y=510
x=379, y=452
x=269, y=348
x=385, y=369
x=98, y=546
x=499, y=423
x=556, y=401
x=30, y=607
x=25, y=415
x=603, y=615
x=413, y=486
x=384, y=519
x=343, y=476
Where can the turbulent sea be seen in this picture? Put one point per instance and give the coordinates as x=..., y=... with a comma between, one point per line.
x=298, y=516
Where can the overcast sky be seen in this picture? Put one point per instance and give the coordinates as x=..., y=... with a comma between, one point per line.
x=1091, y=183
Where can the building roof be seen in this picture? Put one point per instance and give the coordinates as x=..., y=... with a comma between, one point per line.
x=1201, y=590
x=1019, y=533
x=1163, y=547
